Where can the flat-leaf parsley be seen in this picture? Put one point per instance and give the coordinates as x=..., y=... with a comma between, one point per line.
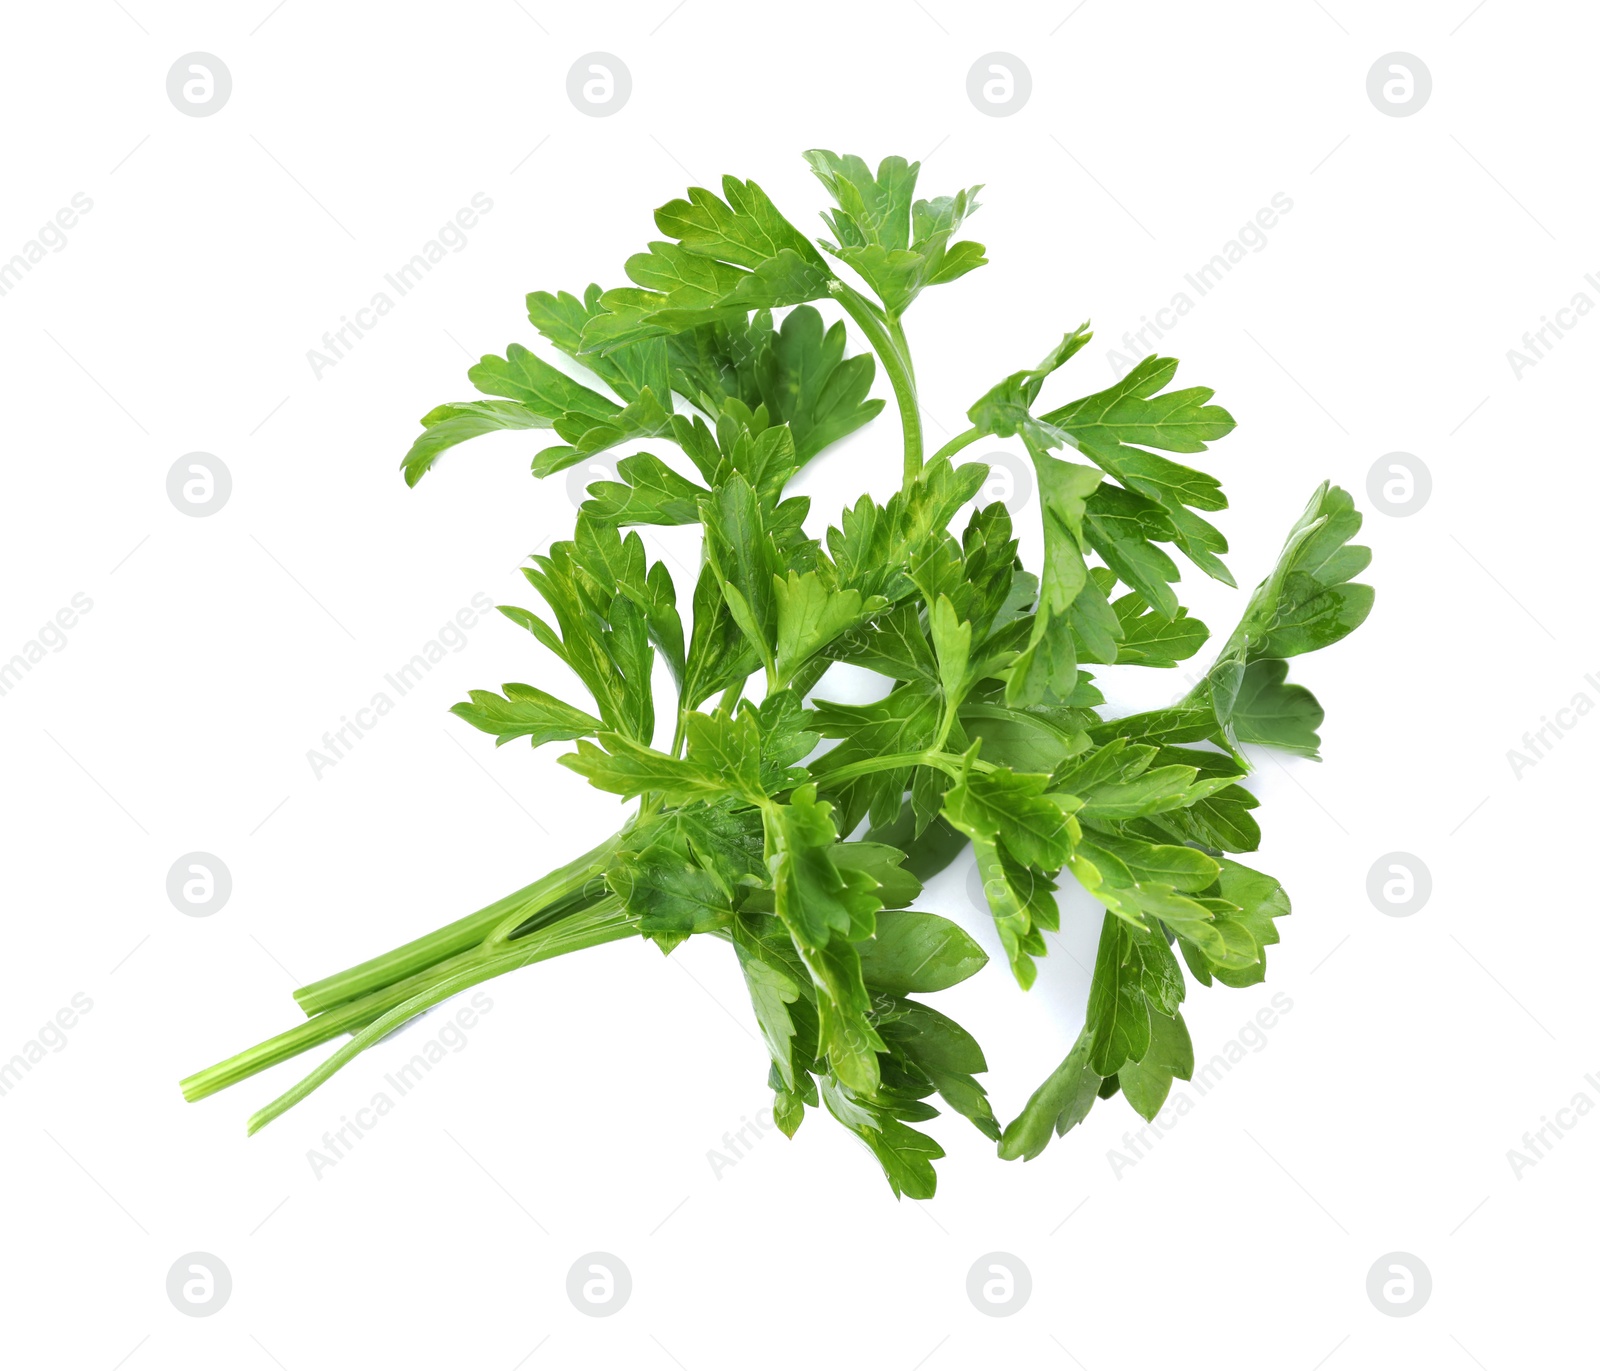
x=799, y=830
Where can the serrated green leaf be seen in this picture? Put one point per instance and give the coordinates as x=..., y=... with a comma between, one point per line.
x=809, y=385
x=745, y=228
x=1061, y=1103
x=1184, y=869
x=1147, y=1082
x=738, y=547
x=646, y=491
x=1124, y=529
x=904, y=721
x=893, y=644
x=1304, y=604
x=1004, y=410
x=826, y=910
x=940, y=1049
x=1270, y=711
x=1013, y=807
x=445, y=426
x=526, y=712
x=1049, y=664
x=723, y=759
x=1118, y=1015
x=1151, y=639
x=649, y=416
x=725, y=841
x=532, y=382
x=905, y=1155
x=667, y=892
x=1254, y=901
x=629, y=371
x=1115, y=426
x=810, y=616
x=728, y=749
x=772, y=991
x=896, y=888
x=1151, y=792
x=952, y=645
x=898, y=246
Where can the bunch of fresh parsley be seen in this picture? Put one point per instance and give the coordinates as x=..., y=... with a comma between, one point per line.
x=806, y=859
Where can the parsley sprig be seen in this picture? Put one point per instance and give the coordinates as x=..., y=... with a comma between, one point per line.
x=799, y=830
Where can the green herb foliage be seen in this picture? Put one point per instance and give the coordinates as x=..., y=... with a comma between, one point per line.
x=715, y=367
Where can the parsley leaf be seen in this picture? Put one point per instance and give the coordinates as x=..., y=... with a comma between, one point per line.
x=526, y=712
x=897, y=245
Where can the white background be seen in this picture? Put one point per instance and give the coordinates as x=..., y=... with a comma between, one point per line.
x=1378, y=1114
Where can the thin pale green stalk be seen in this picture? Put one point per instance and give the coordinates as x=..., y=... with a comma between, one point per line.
x=955, y=445
x=605, y=923
x=461, y=936
x=345, y=1018
x=898, y=367
x=947, y=762
x=348, y=1017
x=897, y=336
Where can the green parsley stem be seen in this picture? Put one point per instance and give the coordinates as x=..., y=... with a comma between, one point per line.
x=882, y=334
x=897, y=335
x=955, y=445
x=945, y=761
x=605, y=922
x=578, y=929
x=460, y=936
